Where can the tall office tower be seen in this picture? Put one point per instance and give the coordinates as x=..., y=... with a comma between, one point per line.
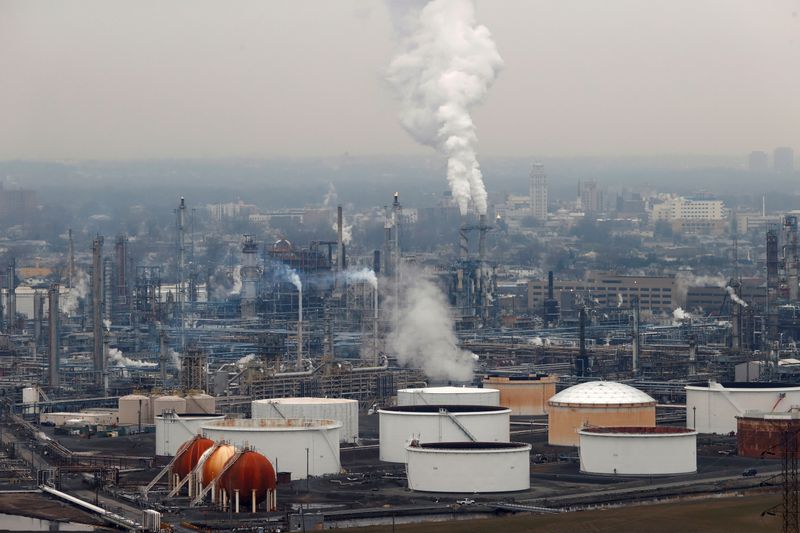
x=538, y=192
x=758, y=161
x=591, y=196
x=783, y=159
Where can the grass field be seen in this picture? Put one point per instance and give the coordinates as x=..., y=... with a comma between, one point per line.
x=719, y=515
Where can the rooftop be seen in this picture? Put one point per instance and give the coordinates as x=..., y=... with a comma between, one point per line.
x=601, y=393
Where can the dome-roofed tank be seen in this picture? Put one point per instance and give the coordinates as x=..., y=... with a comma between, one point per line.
x=135, y=409
x=253, y=476
x=216, y=462
x=169, y=403
x=200, y=402
x=189, y=454
x=597, y=403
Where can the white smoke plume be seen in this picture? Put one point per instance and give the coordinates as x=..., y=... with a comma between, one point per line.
x=237, y=280
x=680, y=314
x=175, y=357
x=735, y=297
x=620, y=300
x=246, y=359
x=347, y=230
x=447, y=64
x=117, y=358
x=422, y=334
x=365, y=274
x=107, y=324
x=78, y=292
x=536, y=341
x=684, y=280
x=331, y=197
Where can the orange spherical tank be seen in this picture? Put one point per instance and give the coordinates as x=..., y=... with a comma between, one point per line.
x=216, y=462
x=189, y=455
x=251, y=472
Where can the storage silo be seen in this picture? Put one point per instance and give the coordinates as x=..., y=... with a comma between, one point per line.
x=401, y=425
x=526, y=394
x=341, y=409
x=448, y=396
x=201, y=403
x=299, y=446
x=169, y=403
x=468, y=467
x=135, y=409
x=597, y=403
x=712, y=407
x=638, y=451
x=173, y=429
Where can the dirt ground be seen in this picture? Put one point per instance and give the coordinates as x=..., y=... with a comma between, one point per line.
x=43, y=507
x=720, y=515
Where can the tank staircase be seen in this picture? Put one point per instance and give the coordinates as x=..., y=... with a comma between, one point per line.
x=458, y=424
x=164, y=470
x=232, y=461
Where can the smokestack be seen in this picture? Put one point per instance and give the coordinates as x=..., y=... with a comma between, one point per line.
x=339, y=240
x=97, y=307
x=635, y=344
x=582, y=358
x=790, y=223
x=106, y=350
x=299, y=364
x=736, y=317
x=121, y=297
x=375, y=322
x=71, y=273
x=53, y=332
x=376, y=261
x=550, y=284
x=163, y=355
x=11, y=296
x=181, y=265
x=692, y=356
x=463, y=243
x=38, y=315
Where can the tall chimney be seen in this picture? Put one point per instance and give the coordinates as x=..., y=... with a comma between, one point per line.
x=163, y=355
x=38, y=316
x=53, y=335
x=299, y=363
x=550, y=284
x=339, y=240
x=582, y=357
x=636, y=337
x=11, y=296
x=97, y=310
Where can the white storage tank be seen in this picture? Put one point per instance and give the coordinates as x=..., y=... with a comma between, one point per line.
x=200, y=402
x=448, y=396
x=401, y=425
x=173, y=429
x=596, y=403
x=169, y=403
x=469, y=467
x=292, y=445
x=30, y=396
x=713, y=407
x=135, y=408
x=341, y=409
x=638, y=451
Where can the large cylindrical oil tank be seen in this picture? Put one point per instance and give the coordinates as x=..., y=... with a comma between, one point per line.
x=638, y=451
x=712, y=407
x=216, y=462
x=135, y=409
x=525, y=395
x=341, y=409
x=597, y=403
x=469, y=467
x=169, y=403
x=189, y=454
x=401, y=425
x=448, y=396
x=299, y=446
x=764, y=435
x=172, y=430
x=200, y=402
x=252, y=475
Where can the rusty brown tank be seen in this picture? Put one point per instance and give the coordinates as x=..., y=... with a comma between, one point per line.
x=764, y=434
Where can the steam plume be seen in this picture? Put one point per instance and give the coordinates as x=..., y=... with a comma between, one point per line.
x=116, y=357
x=76, y=294
x=237, y=280
x=680, y=314
x=446, y=67
x=422, y=333
x=246, y=359
x=735, y=297
x=365, y=274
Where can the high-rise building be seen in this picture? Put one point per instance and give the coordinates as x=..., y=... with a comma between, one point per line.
x=758, y=161
x=783, y=159
x=538, y=192
x=591, y=196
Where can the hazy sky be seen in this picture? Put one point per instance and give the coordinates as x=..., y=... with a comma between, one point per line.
x=196, y=78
